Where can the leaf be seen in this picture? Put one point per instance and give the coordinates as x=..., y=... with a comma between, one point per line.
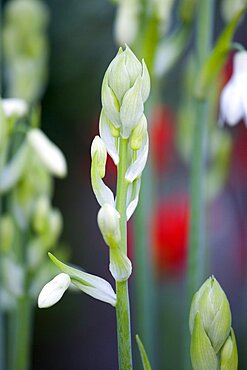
x=145, y=362
x=217, y=58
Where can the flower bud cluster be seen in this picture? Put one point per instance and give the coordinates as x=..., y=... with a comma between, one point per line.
x=210, y=327
x=125, y=89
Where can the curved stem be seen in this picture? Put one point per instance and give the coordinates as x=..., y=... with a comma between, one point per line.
x=122, y=307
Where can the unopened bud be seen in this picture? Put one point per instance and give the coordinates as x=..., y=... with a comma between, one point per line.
x=99, y=155
x=125, y=89
x=138, y=133
x=212, y=304
x=53, y=291
x=108, y=221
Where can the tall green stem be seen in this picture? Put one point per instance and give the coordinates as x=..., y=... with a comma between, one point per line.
x=196, y=266
x=122, y=308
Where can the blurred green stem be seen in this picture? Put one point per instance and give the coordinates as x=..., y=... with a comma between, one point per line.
x=20, y=319
x=196, y=261
x=20, y=350
x=122, y=307
x=2, y=331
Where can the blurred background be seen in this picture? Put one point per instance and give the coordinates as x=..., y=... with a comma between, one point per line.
x=79, y=332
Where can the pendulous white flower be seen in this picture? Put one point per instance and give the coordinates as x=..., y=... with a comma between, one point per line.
x=233, y=99
x=15, y=108
x=108, y=221
x=49, y=154
x=53, y=291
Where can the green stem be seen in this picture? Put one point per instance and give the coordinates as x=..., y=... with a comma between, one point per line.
x=122, y=307
x=24, y=333
x=196, y=268
x=21, y=318
x=196, y=264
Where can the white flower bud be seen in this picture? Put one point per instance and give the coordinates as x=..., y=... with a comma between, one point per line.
x=138, y=133
x=125, y=89
x=99, y=155
x=49, y=154
x=108, y=221
x=14, y=108
x=132, y=108
x=53, y=291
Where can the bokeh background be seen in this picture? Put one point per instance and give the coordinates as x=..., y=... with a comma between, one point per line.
x=80, y=333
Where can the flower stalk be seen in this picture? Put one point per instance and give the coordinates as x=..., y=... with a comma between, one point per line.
x=123, y=307
x=196, y=267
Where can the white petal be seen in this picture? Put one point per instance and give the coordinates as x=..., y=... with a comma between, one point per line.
x=136, y=168
x=14, y=107
x=53, y=291
x=240, y=63
x=90, y=284
x=109, y=140
x=145, y=79
x=131, y=109
x=102, y=192
x=118, y=77
x=231, y=110
x=133, y=65
x=132, y=204
x=109, y=102
x=99, y=289
x=49, y=154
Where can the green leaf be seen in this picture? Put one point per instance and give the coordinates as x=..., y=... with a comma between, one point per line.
x=145, y=362
x=217, y=58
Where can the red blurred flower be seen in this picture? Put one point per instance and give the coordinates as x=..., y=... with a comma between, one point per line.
x=169, y=234
x=161, y=137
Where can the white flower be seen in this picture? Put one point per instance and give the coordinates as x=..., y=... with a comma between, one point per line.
x=53, y=291
x=49, y=154
x=99, y=155
x=14, y=108
x=233, y=100
x=126, y=24
x=108, y=221
x=92, y=285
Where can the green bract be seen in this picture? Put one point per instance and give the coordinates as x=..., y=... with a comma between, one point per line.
x=210, y=327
